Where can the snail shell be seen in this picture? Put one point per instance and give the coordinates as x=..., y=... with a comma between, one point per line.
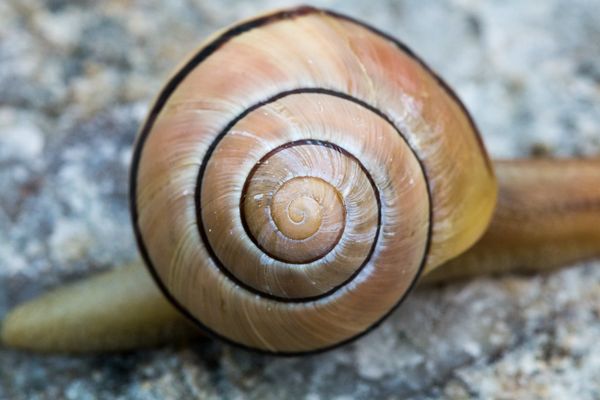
x=295, y=177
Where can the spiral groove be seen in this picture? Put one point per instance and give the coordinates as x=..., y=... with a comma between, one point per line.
x=293, y=167
x=298, y=216
x=295, y=219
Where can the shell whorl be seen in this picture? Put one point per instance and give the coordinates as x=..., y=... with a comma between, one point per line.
x=283, y=161
x=286, y=197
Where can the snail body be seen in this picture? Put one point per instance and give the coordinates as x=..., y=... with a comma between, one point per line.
x=287, y=198
x=547, y=216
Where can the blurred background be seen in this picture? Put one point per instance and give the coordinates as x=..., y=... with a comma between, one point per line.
x=76, y=79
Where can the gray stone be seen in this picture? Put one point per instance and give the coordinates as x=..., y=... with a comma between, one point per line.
x=75, y=82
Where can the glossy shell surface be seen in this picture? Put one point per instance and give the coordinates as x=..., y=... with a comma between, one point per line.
x=297, y=174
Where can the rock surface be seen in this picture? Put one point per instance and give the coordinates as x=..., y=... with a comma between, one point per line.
x=75, y=83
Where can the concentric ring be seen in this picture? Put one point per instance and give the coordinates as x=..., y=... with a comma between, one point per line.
x=248, y=263
x=294, y=219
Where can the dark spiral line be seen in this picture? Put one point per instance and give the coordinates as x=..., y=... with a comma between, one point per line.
x=266, y=157
x=198, y=196
x=176, y=80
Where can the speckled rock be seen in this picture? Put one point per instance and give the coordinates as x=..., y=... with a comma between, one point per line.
x=75, y=82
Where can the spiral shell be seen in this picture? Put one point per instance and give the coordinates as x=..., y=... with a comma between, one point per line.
x=297, y=174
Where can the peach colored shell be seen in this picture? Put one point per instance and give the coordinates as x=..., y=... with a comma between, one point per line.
x=295, y=177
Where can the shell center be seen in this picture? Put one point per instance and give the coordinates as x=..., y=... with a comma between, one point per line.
x=297, y=215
